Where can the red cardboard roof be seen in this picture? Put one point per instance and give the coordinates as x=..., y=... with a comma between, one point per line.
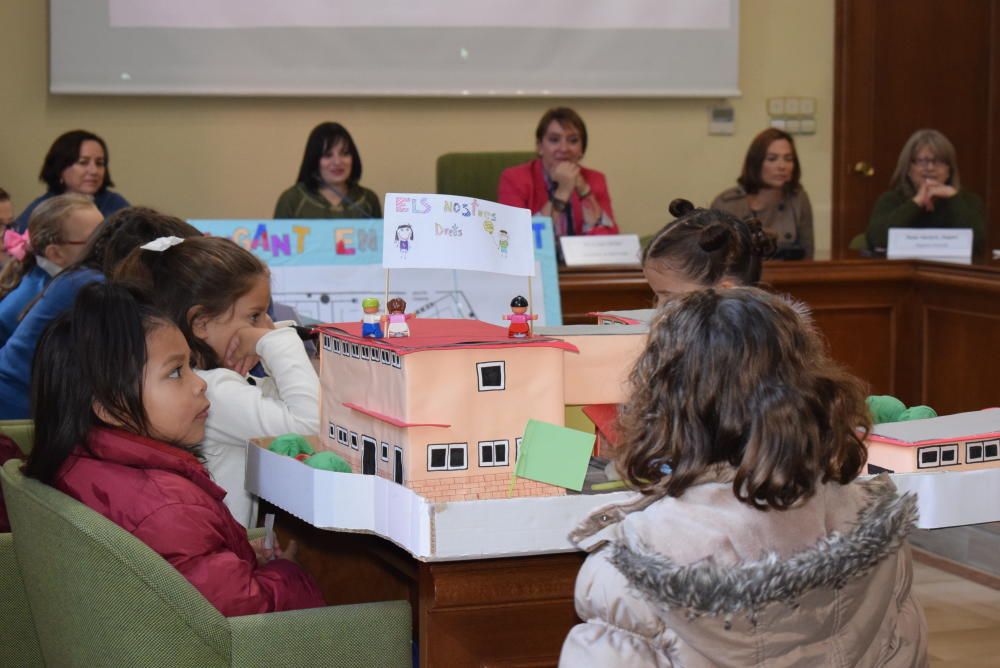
x=396, y=422
x=443, y=334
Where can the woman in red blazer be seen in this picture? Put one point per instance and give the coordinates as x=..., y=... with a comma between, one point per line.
x=554, y=184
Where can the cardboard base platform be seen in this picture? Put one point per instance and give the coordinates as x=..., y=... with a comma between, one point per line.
x=459, y=530
x=446, y=531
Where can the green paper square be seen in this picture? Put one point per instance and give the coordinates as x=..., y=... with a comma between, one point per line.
x=554, y=455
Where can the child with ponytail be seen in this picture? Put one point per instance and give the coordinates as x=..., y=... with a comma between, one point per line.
x=704, y=248
x=58, y=230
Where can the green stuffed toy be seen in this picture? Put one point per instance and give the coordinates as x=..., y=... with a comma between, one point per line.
x=291, y=445
x=885, y=408
x=295, y=445
x=328, y=461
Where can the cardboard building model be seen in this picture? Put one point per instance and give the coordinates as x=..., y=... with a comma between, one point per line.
x=442, y=411
x=959, y=442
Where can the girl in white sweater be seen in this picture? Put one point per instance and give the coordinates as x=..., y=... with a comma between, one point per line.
x=218, y=294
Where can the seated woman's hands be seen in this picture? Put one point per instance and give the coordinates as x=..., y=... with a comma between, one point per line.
x=567, y=177
x=931, y=189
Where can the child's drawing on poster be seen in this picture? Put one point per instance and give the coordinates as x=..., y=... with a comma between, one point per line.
x=458, y=233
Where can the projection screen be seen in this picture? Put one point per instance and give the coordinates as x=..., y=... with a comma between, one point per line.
x=582, y=48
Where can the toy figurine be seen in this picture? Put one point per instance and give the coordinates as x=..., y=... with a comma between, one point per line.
x=396, y=318
x=371, y=322
x=519, y=318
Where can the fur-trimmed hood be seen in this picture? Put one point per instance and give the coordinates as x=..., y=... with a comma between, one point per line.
x=704, y=579
x=707, y=587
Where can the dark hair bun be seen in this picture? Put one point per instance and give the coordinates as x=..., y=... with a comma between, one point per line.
x=714, y=237
x=680, y=207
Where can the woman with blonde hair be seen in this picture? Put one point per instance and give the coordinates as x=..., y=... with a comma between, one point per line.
x=926, y=192
x=57, y=232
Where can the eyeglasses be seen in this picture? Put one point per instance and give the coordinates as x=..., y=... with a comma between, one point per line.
x=928, y=162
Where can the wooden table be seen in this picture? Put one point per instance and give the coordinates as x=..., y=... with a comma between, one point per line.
x=488, y=612
x=926, y=332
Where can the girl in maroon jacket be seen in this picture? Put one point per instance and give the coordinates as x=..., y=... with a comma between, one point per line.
x=118, y=414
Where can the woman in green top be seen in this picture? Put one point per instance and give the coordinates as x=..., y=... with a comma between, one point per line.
x=327, y=186
x=926, y=192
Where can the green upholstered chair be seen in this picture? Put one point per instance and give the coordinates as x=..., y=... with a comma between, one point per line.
x=101, y=597
x=476, y=174
x=18, y=643
x=21, y=432
x=859, y=242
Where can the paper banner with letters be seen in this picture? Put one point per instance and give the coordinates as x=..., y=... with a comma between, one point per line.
x=426, y=231
x=324, y=268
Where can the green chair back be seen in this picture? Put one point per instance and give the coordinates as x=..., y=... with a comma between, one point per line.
x=100, y=597
x=859, y=242
x=476, y=174
x=18, y=643
x=21, y=432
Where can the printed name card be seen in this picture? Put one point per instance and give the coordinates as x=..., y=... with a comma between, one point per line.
x=600, y=249
x=941, y=244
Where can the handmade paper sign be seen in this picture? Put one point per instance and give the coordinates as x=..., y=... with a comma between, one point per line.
x=449, y=232
x=554, y=455
x=600, y=249
x=943, y=244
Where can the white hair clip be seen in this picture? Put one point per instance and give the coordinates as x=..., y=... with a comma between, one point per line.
x=162, y=244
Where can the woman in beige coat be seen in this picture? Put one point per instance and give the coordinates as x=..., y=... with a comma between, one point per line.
x=750, y=544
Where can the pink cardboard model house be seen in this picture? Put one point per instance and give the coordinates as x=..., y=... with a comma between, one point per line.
x=442, y=410
x=959, y=442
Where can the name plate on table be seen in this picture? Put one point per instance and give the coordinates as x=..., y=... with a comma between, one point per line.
x=941, y=244
x=600, y=249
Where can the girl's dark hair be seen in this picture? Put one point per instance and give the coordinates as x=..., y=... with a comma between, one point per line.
x=120, y=234
x=65, y=150
x=93, y=354
x=324, y=137
x=750, y=178
x=45, y=227
x=708, y=245
x=518, y=301
x=738, y=377
x=396, y=304
x=206, y=272
x=124, y=231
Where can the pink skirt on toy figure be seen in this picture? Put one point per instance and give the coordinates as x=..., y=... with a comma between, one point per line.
x=397, y=325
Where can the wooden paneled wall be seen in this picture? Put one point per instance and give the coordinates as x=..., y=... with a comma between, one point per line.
x=925, y=332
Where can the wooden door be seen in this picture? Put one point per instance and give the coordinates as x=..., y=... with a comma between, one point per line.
x=902, y=65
